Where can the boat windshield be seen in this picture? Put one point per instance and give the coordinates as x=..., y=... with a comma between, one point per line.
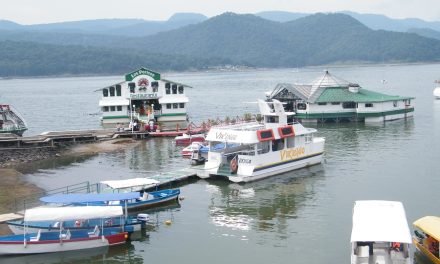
x=217, y=146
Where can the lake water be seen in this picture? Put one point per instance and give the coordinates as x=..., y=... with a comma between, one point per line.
x=298, y=217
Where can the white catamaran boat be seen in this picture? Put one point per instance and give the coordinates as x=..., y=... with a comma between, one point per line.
x=250, y=151
x=380, y=233
x=145, y=97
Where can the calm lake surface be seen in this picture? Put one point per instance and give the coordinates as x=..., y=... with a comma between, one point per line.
x=299, y=217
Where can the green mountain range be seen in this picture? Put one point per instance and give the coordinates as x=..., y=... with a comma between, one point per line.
x=229, y=38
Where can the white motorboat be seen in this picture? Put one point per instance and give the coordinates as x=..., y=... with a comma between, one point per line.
x=380, y=233
x=436, y=91
x=250, y=151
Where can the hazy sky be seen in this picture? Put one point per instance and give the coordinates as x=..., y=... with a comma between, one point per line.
x=47, y=11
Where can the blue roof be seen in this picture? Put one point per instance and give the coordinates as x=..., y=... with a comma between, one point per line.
x=89, y=197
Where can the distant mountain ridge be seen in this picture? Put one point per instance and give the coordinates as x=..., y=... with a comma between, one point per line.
x=247, y=40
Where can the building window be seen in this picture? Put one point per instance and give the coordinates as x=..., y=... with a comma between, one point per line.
x=175, y=105
x=348, y=105
x=181, y=105
x=336, y=103
x=395, y=103
x=119, y=107
x=112, y=91
x=322, y=103
x=105, y=109
x=167, y=88
x=155, y=86
x=118, y=90
x=181, y=89
x=168, y=106
x=369, y=105
x=174, y=88
x=301, y=106
x=112, y=108
x=105, y=92
x=132, y=86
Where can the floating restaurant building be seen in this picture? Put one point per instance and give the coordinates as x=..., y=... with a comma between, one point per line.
x=144, y=96
x=329, y=98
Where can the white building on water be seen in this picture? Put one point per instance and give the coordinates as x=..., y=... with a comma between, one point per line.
x=329, y=98
x=144, y=96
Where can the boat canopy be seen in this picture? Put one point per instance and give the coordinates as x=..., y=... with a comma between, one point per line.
x=71, y=213
x=429, y=225
x=383, y=221
x=135, y=182
x=89, y=197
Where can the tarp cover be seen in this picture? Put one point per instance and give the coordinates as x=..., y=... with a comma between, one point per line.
x=135, y=182
x=89, y=197
x=383, y=221
x=71, y=213
x=430, y=225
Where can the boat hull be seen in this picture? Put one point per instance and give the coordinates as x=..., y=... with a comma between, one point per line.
x=49, y=246
x=425, y=252
x=17, y=227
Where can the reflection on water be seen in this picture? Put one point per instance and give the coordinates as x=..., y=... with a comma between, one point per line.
x=264, y=206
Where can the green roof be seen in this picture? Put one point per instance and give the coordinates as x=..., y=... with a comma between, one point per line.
x=342, y=94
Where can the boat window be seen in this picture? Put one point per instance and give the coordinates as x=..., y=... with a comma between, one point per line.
x=277, y=144
x=263, y=147
x=336, y=103
x=322, y=103
x=174, y=88
x=119, y=107
x=112, y=108
x=369, y=105
x=132, y=86
x=167, y=88
x=181, y=89
x=290, y=141
x=301, y=106
x=112, y=91
x=175, y=105
x=348, y=105
x=272, y=119
x=181, y=105
x=249, y=150
x=118, y=90
x=105, y=109
x=168, y=106
x=105, y=92
x=395, y=103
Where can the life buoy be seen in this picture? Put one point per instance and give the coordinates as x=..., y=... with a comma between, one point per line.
x=233, y=165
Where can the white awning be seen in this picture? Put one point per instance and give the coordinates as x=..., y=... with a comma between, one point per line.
x=121, y=101
x=129, y=183
x=71, y=213
x=383, y=221
x=173, y=99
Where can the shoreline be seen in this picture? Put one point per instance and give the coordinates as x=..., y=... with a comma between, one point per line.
x=15, y=188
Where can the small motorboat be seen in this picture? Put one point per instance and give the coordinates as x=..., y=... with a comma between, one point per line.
x=427, y=237
x=186, y=139
x=64, y=239
x=11, y=121
x=116, y=195
x=129, y=223
x=195, y=146
x=380, y=233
